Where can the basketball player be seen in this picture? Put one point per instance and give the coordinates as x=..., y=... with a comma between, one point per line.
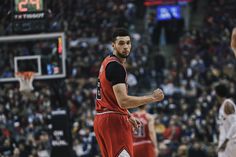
x=227, y=123
x=144, y=138
x=112, y=123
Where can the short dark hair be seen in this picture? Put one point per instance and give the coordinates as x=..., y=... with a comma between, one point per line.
x=119, y=32
x=222, y=90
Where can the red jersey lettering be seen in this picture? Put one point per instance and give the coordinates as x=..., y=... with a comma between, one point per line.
x=142, y=133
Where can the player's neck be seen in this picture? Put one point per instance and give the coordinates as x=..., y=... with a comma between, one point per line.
x=122, y=60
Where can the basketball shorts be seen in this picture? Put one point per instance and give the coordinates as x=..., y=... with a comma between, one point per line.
x=113, y=132
x=144, y=150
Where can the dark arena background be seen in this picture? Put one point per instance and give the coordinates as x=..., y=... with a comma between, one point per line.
x=181, y=46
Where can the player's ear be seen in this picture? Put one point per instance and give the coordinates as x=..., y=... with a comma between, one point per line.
x=113, y=44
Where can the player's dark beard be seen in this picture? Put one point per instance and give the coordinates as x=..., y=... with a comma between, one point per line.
x=122, y=55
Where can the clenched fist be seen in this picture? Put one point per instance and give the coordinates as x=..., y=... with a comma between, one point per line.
x=158, y=95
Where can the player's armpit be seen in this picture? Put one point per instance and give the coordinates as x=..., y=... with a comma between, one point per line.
x=229, y=108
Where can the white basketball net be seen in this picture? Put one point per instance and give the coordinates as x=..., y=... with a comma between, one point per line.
x=26, y=81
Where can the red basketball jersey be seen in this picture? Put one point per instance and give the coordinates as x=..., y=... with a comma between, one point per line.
x=111, y=126
x=142, y=133
x=142, y=142
x=106, y=100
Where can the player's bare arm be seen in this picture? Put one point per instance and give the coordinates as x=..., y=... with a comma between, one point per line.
x=229, y=110
x=152, y=132
x=233, y=41
x=126, y=101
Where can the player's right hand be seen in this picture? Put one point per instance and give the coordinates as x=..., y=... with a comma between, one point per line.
x=158, y=95
x=136, y=123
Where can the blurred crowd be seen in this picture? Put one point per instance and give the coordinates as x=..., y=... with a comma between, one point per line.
x=186, y=121
x=187, y=118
